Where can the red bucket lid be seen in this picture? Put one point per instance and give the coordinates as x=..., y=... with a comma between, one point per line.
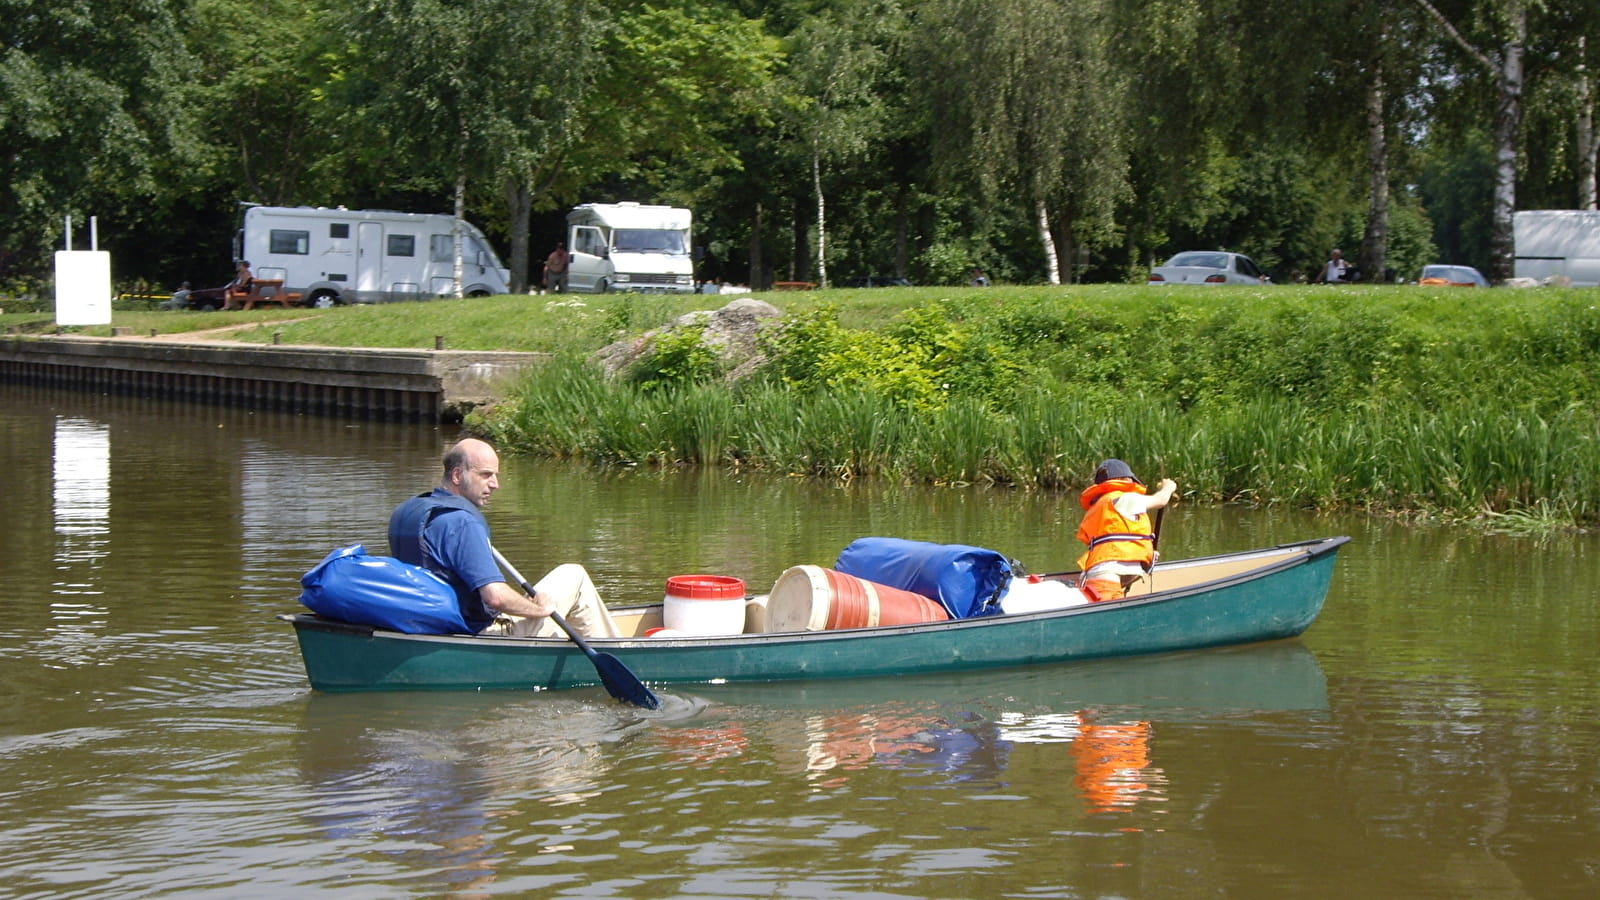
x=705, y=587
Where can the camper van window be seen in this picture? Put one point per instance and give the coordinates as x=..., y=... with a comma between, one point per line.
x=285, y=241
x=339, y=230
x=649, y=240
x=402, y=245
x=442, y=248
x=588, y=240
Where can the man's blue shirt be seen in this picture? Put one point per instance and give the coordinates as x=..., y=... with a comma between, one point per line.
x=456, y=546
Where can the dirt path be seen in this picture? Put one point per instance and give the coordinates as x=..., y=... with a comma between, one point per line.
x=223, y=333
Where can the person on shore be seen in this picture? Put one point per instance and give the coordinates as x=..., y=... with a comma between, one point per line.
x=445, y=532
x=1336, y=270
x=179, y=298
x=239, y=288
x=1116, y=527
x=555, y=269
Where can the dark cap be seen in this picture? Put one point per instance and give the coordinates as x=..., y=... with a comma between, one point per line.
x=1114, y=468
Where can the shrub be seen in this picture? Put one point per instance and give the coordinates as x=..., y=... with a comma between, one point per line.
x=676, y=358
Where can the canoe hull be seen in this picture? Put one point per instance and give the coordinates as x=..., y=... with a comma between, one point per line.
x=1279, y=599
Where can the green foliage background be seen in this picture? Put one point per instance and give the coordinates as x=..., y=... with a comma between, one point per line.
x=921, y=138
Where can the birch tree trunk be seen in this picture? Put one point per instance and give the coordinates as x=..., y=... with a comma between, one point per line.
x=1588, y=156
x=1052, y=262
x=1507, y=123
x=455, y=232
x=822, y=219
x=1507, y=72
x=1374, y=257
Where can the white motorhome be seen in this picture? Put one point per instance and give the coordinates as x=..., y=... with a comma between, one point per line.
x=630, y=247
x=334, y=256
x=1558, y=242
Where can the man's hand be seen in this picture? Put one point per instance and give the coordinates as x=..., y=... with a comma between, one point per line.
x=504, y=598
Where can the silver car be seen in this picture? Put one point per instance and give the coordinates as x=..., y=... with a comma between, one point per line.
x=1209, y=267
x=1452, y=276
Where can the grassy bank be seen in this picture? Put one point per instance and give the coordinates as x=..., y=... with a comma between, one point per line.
x=1454, y=404
x=1460, y=404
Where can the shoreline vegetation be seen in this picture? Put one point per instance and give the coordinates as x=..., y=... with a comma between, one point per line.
x=1449, y=404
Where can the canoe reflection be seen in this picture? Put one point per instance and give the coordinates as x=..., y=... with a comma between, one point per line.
x=421, y=778
x=967, y=727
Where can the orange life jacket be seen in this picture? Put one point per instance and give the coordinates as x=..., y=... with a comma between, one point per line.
x=1109, y=534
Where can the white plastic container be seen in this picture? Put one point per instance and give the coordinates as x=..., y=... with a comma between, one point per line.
x=1033, y=594
x=704, y=604
x=755, y=615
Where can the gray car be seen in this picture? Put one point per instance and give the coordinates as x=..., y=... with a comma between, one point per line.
x=1209, y=267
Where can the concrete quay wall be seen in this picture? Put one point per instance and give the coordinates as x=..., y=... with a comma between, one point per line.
x=385, y=384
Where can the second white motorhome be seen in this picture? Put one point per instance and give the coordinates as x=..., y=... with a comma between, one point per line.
x=1558, y=243
x=630, y=247
x=336, y=256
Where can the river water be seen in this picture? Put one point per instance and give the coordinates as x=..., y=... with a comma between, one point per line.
x=1435, y=734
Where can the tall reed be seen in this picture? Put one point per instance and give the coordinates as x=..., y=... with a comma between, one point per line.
x=1391, y=401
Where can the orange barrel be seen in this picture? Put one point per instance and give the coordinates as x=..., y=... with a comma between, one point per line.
x=704, y=604
x=811, y=598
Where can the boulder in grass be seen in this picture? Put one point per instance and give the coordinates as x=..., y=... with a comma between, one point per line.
x=731, y=331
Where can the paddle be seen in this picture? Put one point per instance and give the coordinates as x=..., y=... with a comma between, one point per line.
x=618, y=679
x=1155, y=543
x=1155, y=535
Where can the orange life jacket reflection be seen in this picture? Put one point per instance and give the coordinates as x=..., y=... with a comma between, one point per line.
x=1109, y=534
x=1111, y=762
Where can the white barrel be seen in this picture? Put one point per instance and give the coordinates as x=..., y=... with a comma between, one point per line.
x=1032, y=596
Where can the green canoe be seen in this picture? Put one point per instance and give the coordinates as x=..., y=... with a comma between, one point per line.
x=1237, y=598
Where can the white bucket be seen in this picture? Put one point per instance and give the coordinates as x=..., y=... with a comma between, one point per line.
x=755, y=615
x=1027, y=595
x=704, y=604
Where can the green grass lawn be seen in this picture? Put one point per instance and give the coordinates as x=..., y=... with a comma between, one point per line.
x=579, y=321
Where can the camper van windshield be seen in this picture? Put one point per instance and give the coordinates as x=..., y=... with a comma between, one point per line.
x=648, y=240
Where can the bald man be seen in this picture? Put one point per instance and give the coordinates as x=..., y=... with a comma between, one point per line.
x=445, y=532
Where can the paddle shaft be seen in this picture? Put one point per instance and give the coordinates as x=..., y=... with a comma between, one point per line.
x=1155, y=533
x=1155, y=542
x=618, y=679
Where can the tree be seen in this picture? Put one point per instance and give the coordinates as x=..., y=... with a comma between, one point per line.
x=260, y=66
x=1503, y=65
x=94, y=109
x=836, y=61
x=471, y=91
x=1588, y=149
x=1030, y=102
x=1559, y=147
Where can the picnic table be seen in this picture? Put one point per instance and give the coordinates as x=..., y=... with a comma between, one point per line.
x=263, y=292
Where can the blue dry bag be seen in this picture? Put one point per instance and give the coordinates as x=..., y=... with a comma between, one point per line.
x=969, y=581
x=351, y=586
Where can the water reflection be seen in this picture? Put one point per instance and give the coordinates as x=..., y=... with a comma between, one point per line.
x=81, y=509
x=432, y=782
x=81, y=466
x=966, y=727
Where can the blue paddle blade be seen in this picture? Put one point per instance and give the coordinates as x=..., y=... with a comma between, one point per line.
x=622, y=684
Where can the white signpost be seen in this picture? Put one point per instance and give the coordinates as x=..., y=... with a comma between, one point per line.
x=83, y=283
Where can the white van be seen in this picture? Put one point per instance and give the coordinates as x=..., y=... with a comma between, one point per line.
x=333, y=256
x=630, y=247
x=1558, y=242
